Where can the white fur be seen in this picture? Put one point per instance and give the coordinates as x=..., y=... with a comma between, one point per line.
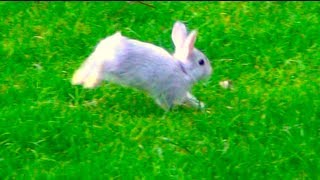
x=167, y=78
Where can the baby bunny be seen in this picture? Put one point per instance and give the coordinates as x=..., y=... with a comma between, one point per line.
x=128, y=62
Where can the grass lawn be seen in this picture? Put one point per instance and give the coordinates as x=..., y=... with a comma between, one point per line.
x=266, y=127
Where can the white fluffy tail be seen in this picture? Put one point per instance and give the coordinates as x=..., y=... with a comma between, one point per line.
x=90, y=74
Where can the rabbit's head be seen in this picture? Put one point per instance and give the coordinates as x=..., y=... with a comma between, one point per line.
x=194, y=61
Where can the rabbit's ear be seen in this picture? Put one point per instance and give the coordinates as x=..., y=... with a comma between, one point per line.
x=189, y=43
x=179, y=34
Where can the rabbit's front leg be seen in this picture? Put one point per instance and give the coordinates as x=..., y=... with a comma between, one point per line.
x=193, y=101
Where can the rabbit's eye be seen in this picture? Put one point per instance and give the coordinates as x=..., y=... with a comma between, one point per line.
x=201, y=62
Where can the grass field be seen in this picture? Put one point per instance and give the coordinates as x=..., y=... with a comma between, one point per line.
x=266, y=127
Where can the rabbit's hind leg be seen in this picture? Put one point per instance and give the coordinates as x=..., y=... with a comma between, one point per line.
x=163, y=104
x=166, y=100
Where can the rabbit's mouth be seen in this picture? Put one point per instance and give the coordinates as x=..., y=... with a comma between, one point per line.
x=207, y=74
x=205, y=78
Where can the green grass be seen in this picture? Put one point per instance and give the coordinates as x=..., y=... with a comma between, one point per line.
x=267, y=127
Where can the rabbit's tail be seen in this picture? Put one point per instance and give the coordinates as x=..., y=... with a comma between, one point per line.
x=88, y=75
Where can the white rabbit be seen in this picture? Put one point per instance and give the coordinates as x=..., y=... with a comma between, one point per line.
x=167, y=78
